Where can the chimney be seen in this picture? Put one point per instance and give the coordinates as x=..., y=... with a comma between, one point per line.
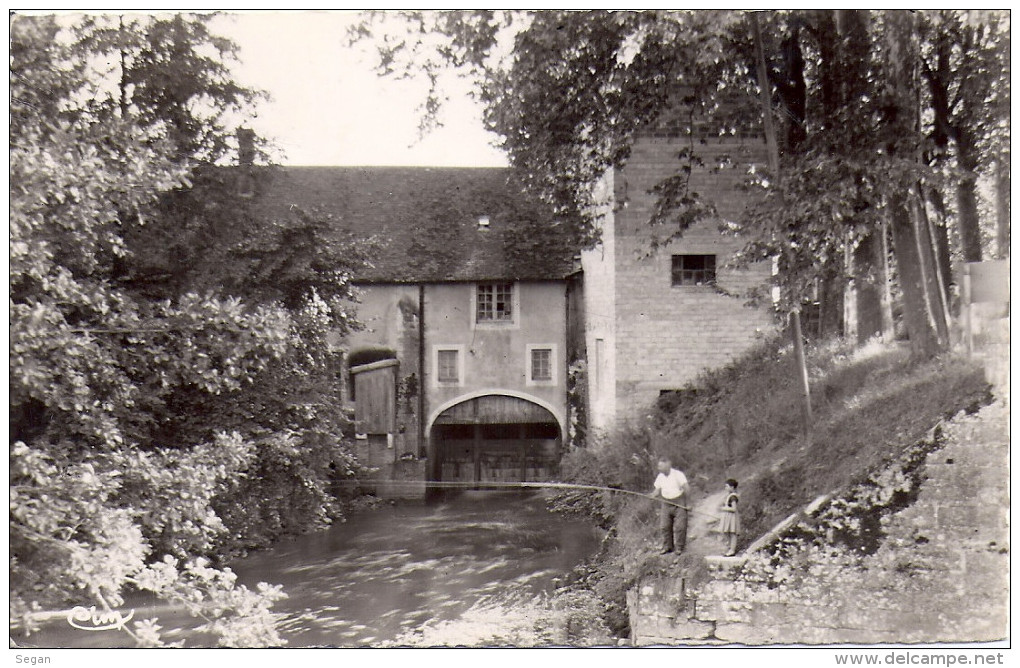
x=245, y=147
x=483, y=222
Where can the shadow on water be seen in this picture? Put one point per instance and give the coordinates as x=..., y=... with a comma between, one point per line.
x=388, y=571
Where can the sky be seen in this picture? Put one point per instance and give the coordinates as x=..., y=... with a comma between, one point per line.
x=329, y=107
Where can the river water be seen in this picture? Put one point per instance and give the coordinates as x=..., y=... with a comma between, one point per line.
x=386, y=572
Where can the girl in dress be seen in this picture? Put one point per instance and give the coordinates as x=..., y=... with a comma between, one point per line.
x=729, y=520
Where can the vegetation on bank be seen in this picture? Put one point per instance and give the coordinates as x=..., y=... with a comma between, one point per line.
x=173, y=397
x=742, y=421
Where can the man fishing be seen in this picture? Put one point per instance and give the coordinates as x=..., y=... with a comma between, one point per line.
x=671, y=485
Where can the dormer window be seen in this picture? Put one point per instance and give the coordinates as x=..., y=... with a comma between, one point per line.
x=494, y=303
x=483, y=222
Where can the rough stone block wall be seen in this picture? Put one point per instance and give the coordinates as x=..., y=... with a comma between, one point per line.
x=599, y=266
x=666, y=335
x=940, y=575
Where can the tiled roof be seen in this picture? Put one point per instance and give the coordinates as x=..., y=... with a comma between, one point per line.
x=426, y=219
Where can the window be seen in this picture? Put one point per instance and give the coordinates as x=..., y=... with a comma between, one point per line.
x=495, y=302
x=541, y=364
x=448, y=366
x=693, y=270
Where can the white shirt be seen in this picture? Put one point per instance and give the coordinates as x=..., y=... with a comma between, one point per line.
x=672, y=484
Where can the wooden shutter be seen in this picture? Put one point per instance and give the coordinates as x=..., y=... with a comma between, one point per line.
x=375, y=405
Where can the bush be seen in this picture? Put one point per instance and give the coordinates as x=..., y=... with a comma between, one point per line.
x=166, y=408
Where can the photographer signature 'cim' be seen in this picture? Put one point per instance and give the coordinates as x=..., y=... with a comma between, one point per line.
x=90, y=619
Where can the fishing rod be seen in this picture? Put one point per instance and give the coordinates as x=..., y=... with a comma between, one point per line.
x=457, y=484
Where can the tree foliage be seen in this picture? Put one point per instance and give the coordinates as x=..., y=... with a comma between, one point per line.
x=568, y=92
x=160, y=422
x=170, y=74
x=964, y=61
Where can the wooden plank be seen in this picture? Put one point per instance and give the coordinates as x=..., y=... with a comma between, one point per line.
x=381, y=364
x=375, y=409
x=478, y=453
x=524, y=457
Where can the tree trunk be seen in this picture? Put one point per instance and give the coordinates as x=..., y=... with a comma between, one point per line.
x=941, y=239
x=867, y=292
x=900, y=107
x=805, y=385
x=941, y=285
x=830, y=298
x=829, y=67
x=122, y=83
x=885, y=282
x=966, y=198
x=832, y=287
x=866, y=265
x=851, y=319
x=934, y=297
x=923, y=341
x=793, y=91
x=1002, y=207
x=773, y=151
x=868, y=303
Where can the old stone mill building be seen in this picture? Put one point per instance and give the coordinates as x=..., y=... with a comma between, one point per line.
x=483, y=355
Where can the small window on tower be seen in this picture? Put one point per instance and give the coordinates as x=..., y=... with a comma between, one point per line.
x=693, y=270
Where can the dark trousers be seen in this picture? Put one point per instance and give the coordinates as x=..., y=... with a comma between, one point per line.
x=673, y=522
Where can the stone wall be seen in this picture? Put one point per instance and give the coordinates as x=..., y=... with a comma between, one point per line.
x=669, y=334
x=599, y=266
x=941, y=573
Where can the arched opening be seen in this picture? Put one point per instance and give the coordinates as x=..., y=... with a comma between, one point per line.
x=495, y=438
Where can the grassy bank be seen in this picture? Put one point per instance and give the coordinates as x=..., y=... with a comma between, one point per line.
x=743, y=421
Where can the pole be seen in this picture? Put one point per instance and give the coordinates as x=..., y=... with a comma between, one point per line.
x=805, y=385
x=421, y=374
x=492, y=485
x=773, y=150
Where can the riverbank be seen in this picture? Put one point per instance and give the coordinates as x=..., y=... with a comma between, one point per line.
x=918, y=553
x=742, y=422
